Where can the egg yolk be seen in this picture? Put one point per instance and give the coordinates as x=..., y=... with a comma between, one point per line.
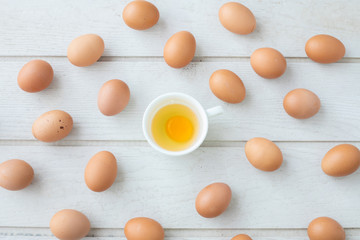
x=179, y=129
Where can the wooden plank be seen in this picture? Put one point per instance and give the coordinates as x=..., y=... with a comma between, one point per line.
x=176, y=233
x=164, y=188
x=45, y=28
x=260, y=114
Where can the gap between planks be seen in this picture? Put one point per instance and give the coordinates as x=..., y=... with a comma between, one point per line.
x=141, y=143
x=160, y=59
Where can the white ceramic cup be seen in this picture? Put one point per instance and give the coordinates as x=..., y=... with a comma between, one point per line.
x=184, y=99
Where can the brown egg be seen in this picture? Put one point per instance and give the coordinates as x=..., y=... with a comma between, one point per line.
x=35, y=76
x=227, y=86
x=15, y=174
x=180, y=49
x=140, y=15
x=301, y=103
x=324, y=228
x=263, y=154
x=324, y=49
x=341, y=160
x=101, y=171
x=142, y=228
x=237, y=18
x=69, y=224
x=213, y=200
x=85, y=50
x=241, y=237
x=113, y=97
x=52, y=126
x=268, y=63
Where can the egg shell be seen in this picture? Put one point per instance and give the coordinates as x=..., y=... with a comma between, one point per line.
x=15, y=174
x=113, y=97
x=341, y=160
x=325, y=228
x=101, y=171
x=237, y=18
x=324, y=48
x=35, y=76
x=85, y=50
x=301, y=103
x=52, y=126
x=142, y=228
x=241, y=237
x=69, y=224
x=227, y=86
x=140, y=15
x=213, y=200
x=268, y=63
x=263, y=154
x=180, y=49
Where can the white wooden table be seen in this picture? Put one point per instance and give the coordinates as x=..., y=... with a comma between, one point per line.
x=269, y=206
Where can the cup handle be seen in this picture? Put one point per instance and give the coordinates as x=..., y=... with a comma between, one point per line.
x=211, y=112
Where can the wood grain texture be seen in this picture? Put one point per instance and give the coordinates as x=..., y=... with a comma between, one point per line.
x=45, y=28
x=268, y=206
x=153, y=185
x=261, y=113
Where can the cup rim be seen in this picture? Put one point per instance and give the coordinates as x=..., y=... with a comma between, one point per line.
x=196, y=144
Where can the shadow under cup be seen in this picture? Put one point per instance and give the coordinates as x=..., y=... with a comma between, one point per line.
x=169, y=99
